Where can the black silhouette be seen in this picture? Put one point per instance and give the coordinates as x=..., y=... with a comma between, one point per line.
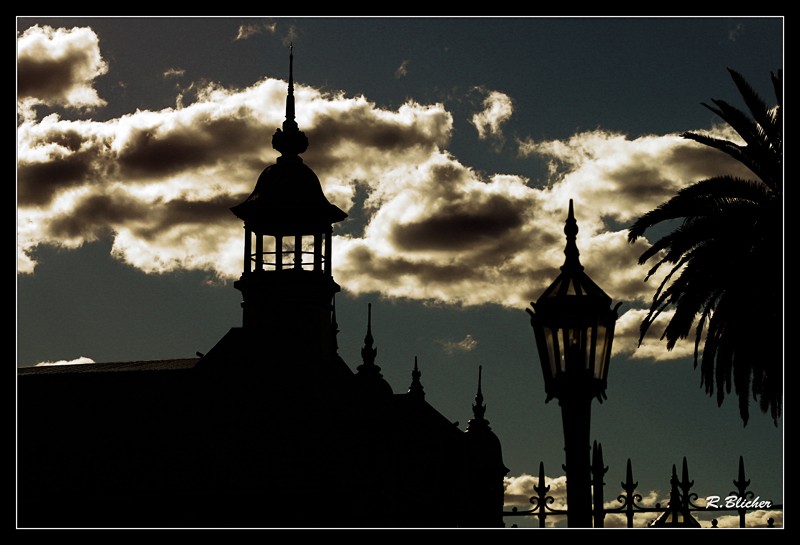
x=725, y=259
x=269, y=428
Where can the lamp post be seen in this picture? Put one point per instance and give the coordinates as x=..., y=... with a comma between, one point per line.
x=573, y=325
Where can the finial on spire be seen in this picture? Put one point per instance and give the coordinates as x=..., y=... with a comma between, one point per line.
x=416, y=389
x=289, y=122
x=368, y=353
x=290, y=141
x=479, y=409
x=571, y=252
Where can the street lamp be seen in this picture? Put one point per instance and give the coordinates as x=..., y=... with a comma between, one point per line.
x=574, y=326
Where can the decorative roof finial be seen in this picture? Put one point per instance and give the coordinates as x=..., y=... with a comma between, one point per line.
x=290, y=123
x=368, y=353
x=572, y=261
x=290, y=141
x=479, y=409
x=416, y=389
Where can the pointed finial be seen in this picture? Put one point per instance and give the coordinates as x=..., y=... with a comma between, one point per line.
x=290, y=96
x=290, y=141
x=685, y=482
x=741, y=483
x=629, y=486
x=540, y=487
x=479, y=409
x=416, y=389
x=368, y=353
x=571, y=252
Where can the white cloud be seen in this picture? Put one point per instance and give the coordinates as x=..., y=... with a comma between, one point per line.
x=174, y=72
x=520, y=489
x=402, y=70
x=77, y=361
x=57, y=67
x=497, y=109
x=248, y=30
x=467, y=344
x=626, y=338
x=623, y=178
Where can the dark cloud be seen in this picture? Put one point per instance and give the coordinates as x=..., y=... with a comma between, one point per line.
x=39, y=182
x=97, y=215
x=215, y=211
x=152, y=152
x=705, y=162
x=46, y=79
x=362, y=128
x=643, y=181
x=391, y=268
x=461, y=226
x=58, y=66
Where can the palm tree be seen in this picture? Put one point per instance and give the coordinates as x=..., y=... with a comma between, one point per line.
x=726, y=259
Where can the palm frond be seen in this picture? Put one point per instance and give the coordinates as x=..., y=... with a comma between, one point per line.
x=728, y=240
x=761, y=112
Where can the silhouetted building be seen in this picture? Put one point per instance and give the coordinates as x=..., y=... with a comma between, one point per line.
x=270, y=428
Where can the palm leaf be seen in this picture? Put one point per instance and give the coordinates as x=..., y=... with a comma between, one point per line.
x=728, y=240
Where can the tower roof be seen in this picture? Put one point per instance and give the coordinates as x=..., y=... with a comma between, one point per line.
x=288, y=196
x=369, y=381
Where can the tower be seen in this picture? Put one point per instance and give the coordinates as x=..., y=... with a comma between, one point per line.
x=485, y=469
x=286, y=283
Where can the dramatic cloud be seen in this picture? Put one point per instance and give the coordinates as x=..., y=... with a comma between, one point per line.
x=497, y=109
x=625, y=178
x=81, y=360
x=161, y=183
x=467, y=344
x=427, y=227
x=57, y=67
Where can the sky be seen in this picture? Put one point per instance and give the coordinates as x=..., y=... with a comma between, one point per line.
x=454, y=145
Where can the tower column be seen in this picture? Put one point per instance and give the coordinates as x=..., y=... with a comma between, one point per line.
x=248, y=235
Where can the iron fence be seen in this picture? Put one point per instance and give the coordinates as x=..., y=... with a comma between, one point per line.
x=677, y=513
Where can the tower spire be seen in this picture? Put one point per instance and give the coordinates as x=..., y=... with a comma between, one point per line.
x=416, y=389
x=289, y=123
x=368, y=352
x=478, y=409
x=290, y=141
x=371, y=384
